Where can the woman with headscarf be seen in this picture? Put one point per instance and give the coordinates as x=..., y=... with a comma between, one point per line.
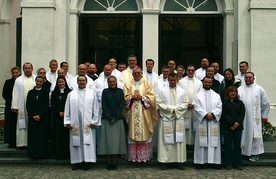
x=37, y=107
x=112, y=139
x=60, y=134
x=229, y=80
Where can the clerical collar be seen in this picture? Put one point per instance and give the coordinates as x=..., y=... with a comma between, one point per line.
x=61, y=90
x=37, y=88
x=149, y=71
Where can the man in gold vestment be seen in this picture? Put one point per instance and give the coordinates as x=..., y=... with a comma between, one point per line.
x=140, y=115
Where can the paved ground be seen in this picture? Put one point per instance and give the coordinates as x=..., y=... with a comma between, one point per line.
x=130, y=171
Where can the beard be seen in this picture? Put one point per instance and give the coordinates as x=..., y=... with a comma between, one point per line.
x=207, y=88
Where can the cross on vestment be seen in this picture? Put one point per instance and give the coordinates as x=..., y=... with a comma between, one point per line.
x=214, y=131
x=202, y=131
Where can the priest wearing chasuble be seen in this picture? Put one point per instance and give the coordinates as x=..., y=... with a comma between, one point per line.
x=81, y=117
x=140, y=115
x=208, y=108
x=172, y=102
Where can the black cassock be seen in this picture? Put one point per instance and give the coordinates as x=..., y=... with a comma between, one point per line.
x=60, y=134
x=10, y=116
x=38, y=104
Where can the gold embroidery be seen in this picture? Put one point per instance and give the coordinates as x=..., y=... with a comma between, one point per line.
x=75, y=131
x=215, y=131
x=202, y=131
x=86, y=129
x=179, y=126
x=138, y=122
x=168, y=128
x=258, y=121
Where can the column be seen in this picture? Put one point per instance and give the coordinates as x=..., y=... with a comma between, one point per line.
x=150, y=36
x=38, y=32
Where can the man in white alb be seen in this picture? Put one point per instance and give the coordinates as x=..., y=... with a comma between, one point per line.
x=81, y=117
x=51, y=75
x=201, y=72
x=208, y=108
x=149, y=74
x=22, y=86
x=172, y=102
x=192, y=86
x=257, y=107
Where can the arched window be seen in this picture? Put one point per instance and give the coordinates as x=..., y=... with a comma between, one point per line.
x=108, y=6
x=191, y=6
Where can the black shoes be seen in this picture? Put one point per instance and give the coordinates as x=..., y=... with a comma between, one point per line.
x=111, y=166
x=75, y=166
x=83, y=165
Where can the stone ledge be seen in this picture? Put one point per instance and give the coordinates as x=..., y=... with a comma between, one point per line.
x=262, y=5
x=38, y=4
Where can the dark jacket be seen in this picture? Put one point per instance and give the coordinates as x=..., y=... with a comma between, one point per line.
x=232, y=111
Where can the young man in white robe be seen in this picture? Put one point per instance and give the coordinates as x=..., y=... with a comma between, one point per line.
x=257, y=108
x=65, y=66
x=81, y=117
x=22, y=86
x=158, y=85
x=126, y=75
x=52, y=75
x=217, y=75
x=149, y=74
x=82, y=70
x=208, y=108
x=172, y=102
x=192, y=86
x=113, y=63
x=201, y=72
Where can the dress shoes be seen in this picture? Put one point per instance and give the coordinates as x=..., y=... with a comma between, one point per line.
x=163, y=166
x=75, y=166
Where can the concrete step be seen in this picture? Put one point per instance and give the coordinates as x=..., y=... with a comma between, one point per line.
x=8, y=155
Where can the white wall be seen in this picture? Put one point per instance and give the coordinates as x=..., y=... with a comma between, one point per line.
x=263, y=44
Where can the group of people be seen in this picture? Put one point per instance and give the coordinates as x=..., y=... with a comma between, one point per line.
x=128, y=111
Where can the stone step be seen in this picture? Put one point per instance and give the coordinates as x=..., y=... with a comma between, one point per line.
x=8, y=155
x=102, y=161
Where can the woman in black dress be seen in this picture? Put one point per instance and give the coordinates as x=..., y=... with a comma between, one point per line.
x=112, y=139
x=60, y=134
x=37, y=107
x=232, y=116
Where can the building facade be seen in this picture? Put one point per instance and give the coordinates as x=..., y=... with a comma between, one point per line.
x=227, y=31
